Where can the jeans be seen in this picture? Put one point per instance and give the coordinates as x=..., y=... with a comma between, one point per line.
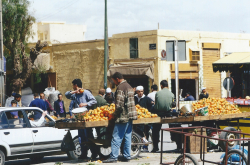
x=83, y=135
x=121, y=131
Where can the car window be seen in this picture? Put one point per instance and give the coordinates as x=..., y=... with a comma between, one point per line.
x=3, y=121
x=15, y=119
x=36, y=119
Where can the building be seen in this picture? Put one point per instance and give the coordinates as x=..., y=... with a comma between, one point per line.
x=57, y=32
x=138, y=56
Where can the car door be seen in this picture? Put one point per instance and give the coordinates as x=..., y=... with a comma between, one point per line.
x=15, y=133
x=46, y=139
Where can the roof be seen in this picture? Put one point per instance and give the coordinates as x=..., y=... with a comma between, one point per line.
x=237, y=60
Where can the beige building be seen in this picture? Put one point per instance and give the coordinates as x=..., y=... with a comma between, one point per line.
x=138, y=56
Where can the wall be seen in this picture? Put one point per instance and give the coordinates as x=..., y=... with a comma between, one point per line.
x=82, y=60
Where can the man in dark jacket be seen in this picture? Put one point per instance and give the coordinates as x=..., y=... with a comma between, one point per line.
x=59, y=106
x=145, y=102
x=203, y=94
x=189, y=97
x=124, y=113
x=37, y=102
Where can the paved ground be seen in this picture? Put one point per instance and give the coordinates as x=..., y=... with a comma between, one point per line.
x=144, y=159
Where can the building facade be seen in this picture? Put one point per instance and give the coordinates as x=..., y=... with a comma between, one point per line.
x=138, y=55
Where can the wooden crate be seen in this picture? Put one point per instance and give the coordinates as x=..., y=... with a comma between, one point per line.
x=147, y=120
x=82, y=125
x=194, y=142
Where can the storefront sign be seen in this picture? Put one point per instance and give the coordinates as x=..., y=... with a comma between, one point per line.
x=152, y=46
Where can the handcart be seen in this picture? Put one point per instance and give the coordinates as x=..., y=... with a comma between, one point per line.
x=103, y=141
x=232, y=157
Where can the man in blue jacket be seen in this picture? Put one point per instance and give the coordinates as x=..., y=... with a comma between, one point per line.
x=85, y=99
x=59, y=106
x=37, y=102
x=189, y=97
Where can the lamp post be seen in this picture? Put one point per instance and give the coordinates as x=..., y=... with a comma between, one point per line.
x=2, y=86
x=105, y=45
x=176, y=74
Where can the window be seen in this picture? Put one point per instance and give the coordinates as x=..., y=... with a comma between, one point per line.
x=195, y=56
x=4, y=121
x=181, y=50
x=133, y=42
x=15, y=119
x=36, y=119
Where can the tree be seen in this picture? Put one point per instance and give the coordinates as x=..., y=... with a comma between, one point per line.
x=17, y=24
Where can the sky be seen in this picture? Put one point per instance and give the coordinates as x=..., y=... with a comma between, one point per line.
x=140, y=15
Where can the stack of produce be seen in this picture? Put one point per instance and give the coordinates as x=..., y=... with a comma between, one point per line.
x=54, y=117
x=144, y=113
x=99, y=114
x=216, y=106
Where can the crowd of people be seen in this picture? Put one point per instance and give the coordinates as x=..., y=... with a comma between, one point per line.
x=125, y=98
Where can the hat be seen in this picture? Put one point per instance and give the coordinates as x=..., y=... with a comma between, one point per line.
x=138, y=88
x=108, y=90
x=13, y=94
x=203, y=88
x=188, y=93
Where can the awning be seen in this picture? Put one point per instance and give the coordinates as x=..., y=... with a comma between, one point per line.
x=233, y=61
x=133, y=68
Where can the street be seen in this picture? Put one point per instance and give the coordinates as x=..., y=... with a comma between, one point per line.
x=143, y=159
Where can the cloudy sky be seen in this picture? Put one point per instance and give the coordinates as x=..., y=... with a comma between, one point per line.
x=139, y=15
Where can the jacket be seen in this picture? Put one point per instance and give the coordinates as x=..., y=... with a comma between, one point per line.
x=203, y=95
x=57, y=107
x=100, y=102
x=163, y=102
x=144, y=102
x=124, y=103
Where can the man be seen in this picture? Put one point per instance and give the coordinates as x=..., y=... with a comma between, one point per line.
x=100, y=100
x=49, y=107
x=154, y=89
x=189, y=97
x=203, y=94
x=59, y=107
x=40, y=122
x=17, y=97
x=9, y=99
x=163, y=105
x=124, y=114
x=110, y=99
x=109, y=93
x=37, y=102
x=145, y=102
x=85, y=99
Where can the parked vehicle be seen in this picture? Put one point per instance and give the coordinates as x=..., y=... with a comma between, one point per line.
x=18, y=139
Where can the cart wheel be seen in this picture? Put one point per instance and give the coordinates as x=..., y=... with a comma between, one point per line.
x=235, y=157
x=104, y=151
x=135, y=149
x=228, y=135
x=189, y=160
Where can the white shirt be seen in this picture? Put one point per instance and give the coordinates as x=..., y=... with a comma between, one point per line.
x=8, y=101
x=38, y=123
x=152, y=95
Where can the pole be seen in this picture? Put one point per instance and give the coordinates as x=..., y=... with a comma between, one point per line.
x=176, y=74
x=105, y=45
x=2, y=59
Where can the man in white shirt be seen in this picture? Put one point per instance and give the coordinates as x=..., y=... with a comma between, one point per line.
x=154, y=89
x=40, y=122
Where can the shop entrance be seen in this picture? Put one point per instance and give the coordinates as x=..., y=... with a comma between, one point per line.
x=188, y=85
x=135, y=81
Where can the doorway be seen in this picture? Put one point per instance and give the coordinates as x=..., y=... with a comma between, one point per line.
x=188, y=85
x=135, y=81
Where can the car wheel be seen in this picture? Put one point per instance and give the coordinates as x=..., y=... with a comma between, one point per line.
x=36, y=158
x=227, y=136
x=2, y=158
x=74, y=155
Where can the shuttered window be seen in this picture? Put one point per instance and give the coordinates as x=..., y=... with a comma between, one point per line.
x=133, y=42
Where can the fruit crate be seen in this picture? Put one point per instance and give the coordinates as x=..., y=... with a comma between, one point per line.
x=147, y=120
x=82, y=125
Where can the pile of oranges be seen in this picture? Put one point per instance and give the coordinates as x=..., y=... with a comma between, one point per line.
x=144, y=113
x=54, y=117
x=217, y=106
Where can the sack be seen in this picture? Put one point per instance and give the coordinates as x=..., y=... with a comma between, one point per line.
x=67, y=143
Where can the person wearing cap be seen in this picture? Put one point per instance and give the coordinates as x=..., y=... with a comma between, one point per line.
x=204, y=93
x=109, y=93
x=145, y=102
x=189, y=97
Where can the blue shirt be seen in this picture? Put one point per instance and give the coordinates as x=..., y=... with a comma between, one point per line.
x=85, y=97
x=189, y=98
x=71, y=107
x=40, y=104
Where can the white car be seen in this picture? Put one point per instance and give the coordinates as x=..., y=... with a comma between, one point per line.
x=18, y=139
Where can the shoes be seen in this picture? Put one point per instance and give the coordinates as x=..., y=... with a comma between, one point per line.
x=122, y=159
x=109, y=160
x=144, y=140
x=154, y=150
x=145, y=150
